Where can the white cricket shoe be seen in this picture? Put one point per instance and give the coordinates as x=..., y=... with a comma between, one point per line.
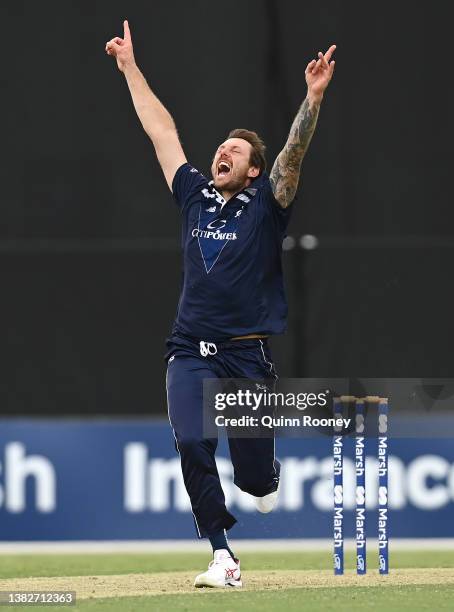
x=267, y=503
x=222, y=572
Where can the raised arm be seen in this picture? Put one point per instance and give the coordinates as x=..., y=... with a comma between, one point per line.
x=285, y=173
x=156, y=120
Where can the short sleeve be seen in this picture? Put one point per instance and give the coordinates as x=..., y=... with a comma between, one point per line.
x=187, y=181
x=280, y=214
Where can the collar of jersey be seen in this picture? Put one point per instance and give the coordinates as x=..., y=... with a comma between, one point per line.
x=248, y=192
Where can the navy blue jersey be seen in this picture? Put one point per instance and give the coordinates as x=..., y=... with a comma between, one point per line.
x=232, y=275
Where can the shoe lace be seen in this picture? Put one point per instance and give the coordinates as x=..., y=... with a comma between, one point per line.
x=214, y=562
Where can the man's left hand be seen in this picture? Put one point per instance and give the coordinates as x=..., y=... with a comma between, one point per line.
x=319, y=73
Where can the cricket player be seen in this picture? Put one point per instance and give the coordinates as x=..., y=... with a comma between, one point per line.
x=232, y=297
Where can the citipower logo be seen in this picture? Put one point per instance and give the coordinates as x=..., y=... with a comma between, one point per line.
x=214, y=234
x=217, y=224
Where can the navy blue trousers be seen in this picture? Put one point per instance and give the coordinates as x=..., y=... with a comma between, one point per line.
x=256, y=469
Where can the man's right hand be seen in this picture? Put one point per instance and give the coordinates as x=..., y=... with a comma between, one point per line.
x=121, y=49
x=155, y=118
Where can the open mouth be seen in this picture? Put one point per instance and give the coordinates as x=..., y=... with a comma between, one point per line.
x=223, y=169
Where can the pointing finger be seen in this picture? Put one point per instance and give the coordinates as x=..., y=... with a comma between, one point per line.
x=126, y=30
x=329, y=53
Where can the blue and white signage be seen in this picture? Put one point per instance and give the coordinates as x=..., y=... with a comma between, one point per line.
x=107, y=480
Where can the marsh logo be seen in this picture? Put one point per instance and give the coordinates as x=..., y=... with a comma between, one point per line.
x=382, y=423
x=360, y=496
x=156, y=484
x=17, y=468
x=360, y=423
x=382, y=496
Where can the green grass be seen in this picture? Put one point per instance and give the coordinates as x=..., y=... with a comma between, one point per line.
x=391, y=598
x=23, y=566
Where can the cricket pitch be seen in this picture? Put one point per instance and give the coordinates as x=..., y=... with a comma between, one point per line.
x=127, y=585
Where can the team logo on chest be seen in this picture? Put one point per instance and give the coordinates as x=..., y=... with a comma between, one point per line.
x=215, y=229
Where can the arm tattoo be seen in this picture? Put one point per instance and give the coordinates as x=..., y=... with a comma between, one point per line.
x=285, y=173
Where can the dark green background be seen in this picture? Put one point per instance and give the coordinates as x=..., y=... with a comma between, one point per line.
x=89, y=233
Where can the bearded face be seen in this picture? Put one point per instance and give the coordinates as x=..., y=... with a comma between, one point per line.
x=231, y=169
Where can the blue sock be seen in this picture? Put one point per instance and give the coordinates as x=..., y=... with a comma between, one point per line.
x=219, y=542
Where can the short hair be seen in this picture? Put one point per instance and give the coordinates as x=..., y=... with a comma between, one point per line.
x=257, y=157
